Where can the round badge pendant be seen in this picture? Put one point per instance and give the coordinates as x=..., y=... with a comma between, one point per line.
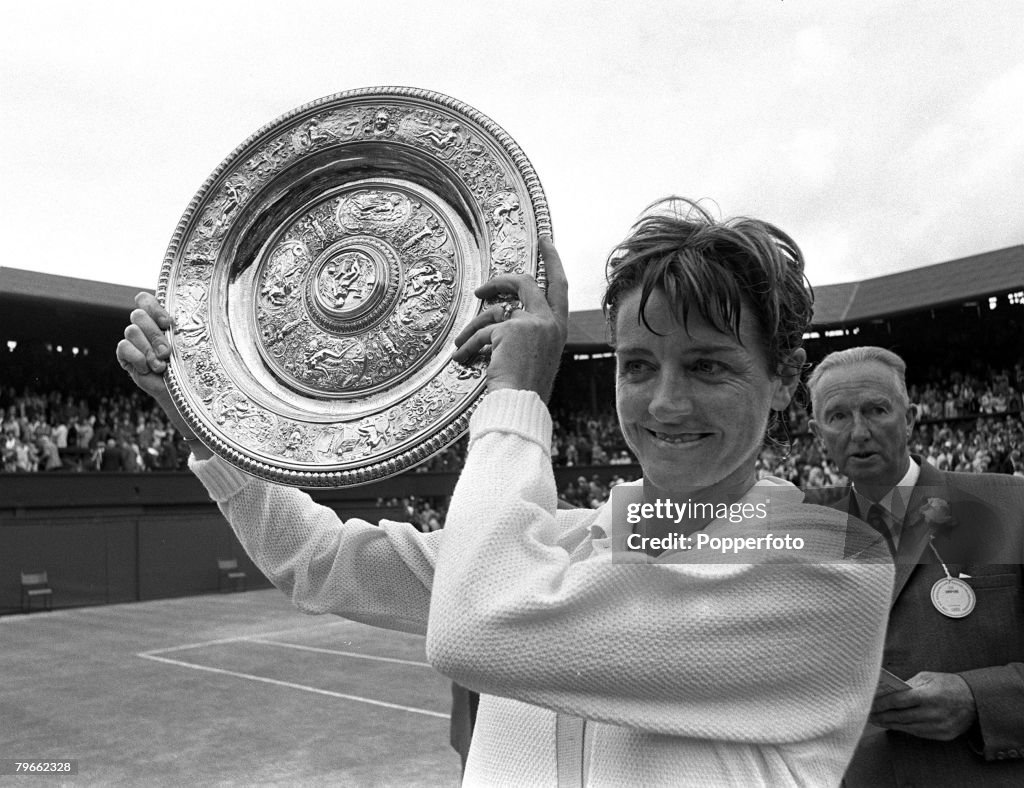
x=953, y=597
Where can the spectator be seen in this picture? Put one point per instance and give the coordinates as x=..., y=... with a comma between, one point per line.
x=49, y=456
x=112, y=457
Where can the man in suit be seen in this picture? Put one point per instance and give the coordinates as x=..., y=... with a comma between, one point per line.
x=956, y=627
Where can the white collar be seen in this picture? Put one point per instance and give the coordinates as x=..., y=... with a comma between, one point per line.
x=896, y=501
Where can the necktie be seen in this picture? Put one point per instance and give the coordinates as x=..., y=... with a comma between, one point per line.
x=877, y=520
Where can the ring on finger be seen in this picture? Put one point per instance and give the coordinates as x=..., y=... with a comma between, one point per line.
x=507, y=309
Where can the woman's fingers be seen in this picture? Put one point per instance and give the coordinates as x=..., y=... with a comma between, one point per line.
x=149, y=303
x=144, y=351
x=474, y=344
x=558, y=284
x=130, y=357
x=147, y=377
x=489, y=316
x=143, y=346
x=148, y=317
x=556, y=299
x=525, y=343
x=523, y=287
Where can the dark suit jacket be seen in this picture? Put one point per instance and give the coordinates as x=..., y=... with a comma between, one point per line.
x=986, y=648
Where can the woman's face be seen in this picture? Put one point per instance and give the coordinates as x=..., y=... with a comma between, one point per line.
x=693, y=404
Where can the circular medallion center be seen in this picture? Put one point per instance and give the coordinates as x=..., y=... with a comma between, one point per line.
x=358, y=290
x=353, y=284
x=348, y=284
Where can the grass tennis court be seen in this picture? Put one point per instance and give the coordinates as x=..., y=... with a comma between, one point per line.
x=225, y=689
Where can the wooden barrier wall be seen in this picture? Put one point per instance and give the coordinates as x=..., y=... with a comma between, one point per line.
x=124, y=537
x=121, y=537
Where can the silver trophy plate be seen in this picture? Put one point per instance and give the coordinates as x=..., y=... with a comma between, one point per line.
x=320, y=275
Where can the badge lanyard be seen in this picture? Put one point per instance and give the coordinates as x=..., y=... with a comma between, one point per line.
x=951, y=596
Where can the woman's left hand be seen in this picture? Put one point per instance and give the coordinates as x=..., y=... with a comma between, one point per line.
x=525, y=343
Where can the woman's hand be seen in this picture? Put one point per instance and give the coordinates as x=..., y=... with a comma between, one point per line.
x=525, y=343
x=144, y=353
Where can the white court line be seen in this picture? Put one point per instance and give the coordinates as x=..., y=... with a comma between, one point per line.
x=239, y=638
x=342, y=653
x=291, y=685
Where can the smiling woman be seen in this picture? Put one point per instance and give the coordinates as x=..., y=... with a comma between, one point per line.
x=756, y=667
x=568, y=637
x=707, y=321
x=693, y=403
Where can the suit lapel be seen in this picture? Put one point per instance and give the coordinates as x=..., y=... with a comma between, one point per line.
x=915, y=535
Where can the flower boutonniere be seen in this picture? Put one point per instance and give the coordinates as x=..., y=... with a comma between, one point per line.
x=938, y=514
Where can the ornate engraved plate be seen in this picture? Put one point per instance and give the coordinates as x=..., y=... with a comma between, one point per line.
x=319, y=277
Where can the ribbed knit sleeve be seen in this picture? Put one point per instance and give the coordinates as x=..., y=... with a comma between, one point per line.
x=376, y=574
x=767, y=653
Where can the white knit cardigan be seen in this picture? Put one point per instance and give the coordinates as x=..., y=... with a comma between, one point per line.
x=748, y=674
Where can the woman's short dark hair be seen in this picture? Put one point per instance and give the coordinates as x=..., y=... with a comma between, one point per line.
x=677, y=247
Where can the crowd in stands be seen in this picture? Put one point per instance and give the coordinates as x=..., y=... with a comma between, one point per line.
x=965, y=423
x=427, y=513
x=59, y=432
x=588, y=439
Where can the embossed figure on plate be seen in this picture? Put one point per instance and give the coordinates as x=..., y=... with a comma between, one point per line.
x=382, y=125
x=347, y=280
x=444, y=137
x=374, y=208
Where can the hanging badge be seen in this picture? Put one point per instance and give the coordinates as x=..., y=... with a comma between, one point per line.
x=953, y=597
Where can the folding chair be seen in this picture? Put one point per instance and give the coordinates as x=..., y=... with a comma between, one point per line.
x=229, y=573
x=35, y=585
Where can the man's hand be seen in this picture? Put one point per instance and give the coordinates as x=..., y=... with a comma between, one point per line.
x=937, y=706
x=525, y=344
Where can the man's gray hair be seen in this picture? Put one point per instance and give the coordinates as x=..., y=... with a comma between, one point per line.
x=859, y=355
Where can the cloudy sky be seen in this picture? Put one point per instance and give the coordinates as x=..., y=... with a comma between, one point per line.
x=881, y=135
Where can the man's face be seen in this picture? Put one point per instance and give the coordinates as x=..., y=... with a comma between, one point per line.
x=860, y=417
x=693, y=405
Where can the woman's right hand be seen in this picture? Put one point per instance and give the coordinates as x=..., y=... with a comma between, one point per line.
x=144, y=353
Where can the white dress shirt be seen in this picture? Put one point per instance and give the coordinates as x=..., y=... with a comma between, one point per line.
x=894, y=502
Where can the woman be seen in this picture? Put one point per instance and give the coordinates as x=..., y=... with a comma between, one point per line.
x=600, y=665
